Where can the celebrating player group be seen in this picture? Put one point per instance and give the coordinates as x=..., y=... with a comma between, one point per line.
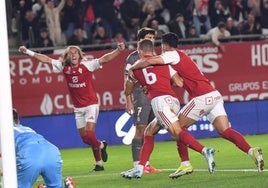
x=148, y=86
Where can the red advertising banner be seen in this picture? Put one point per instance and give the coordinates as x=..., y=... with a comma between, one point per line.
x=239, y=73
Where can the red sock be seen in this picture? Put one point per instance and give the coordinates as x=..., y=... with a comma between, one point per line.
x=89, y=138
x=236, y=138
x=146, y=150
x=188, y=139
x=182, y=151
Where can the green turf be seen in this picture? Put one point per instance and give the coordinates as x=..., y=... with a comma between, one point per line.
x=233, y=167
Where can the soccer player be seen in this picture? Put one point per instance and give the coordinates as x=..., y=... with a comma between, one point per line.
x=205, y=100
x=142, y=109
x=166, y=107
x=78, y=73
x=36, y=156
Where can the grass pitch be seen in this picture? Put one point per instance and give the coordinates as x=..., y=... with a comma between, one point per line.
x=234, y=169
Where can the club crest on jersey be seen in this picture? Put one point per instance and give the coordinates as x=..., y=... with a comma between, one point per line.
x=80, y=70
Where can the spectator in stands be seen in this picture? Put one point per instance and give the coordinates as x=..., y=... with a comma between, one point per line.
x=30, y=27
x=157, y=4
x=219, y=32
x=101, y=37
x=192, y=33
x=160, y=29
x=89, y=12
x=99, y=22
x=119, y=37
x=79, y=38
x=264, y=17
x=174, y=7
x=218, y=13
x=22, y=6
x=188, y=10
x=130, y=12
x=37, y=7
x=53, y=21
x=231, y=27
x=238, y=11
x=69, y=18
x=149, y=13
x=201, y=20
x=117, y=4
x=250, y=26
x=44, y=41
x=109, y=17
x=254, y=7
x=179, y=26
x=129, y=15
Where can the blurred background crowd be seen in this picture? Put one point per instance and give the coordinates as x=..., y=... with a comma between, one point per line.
x=55, y=23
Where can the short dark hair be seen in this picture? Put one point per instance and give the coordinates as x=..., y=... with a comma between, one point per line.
x=146, y=45
x=221, y=25
x=144, y=31
x=15, y=115
x=178, y=15
x=170, y=39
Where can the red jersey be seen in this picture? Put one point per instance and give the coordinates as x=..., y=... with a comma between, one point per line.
x=157, y=79
x=194, y=81
x=80, y=81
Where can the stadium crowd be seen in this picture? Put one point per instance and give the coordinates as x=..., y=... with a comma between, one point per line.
x=53, y=23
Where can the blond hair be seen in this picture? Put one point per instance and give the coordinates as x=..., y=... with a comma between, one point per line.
x=66, y=60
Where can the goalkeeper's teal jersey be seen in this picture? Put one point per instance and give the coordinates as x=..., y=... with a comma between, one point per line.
x=36, y=156
x=25, y=135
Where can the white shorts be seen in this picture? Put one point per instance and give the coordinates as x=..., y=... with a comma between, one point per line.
x=86, y=114
x=210, y=104
x=166, y=109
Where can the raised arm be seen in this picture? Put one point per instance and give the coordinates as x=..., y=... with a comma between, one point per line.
x=61, y=5
x=111, y=55
x=40, y=57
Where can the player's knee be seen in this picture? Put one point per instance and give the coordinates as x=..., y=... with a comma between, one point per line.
x=148, y=132
x=140, y=131
x=86, y=137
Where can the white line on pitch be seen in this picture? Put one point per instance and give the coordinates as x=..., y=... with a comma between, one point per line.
x=221, y=170
x=94, y=174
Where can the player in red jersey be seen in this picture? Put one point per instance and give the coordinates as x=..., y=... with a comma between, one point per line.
x=165, y=105
x=78, y=73
x=142, y=110
x=205, y=100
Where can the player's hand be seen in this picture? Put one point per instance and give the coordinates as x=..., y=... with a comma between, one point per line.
x=129, y=108
x=144, y=89
x=131, y=75
x=121, y=46
x=22, y=49
x=221, y=48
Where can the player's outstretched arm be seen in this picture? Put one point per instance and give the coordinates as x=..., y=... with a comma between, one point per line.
x=40, y=57
x=111, y=55
x=142, y=63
